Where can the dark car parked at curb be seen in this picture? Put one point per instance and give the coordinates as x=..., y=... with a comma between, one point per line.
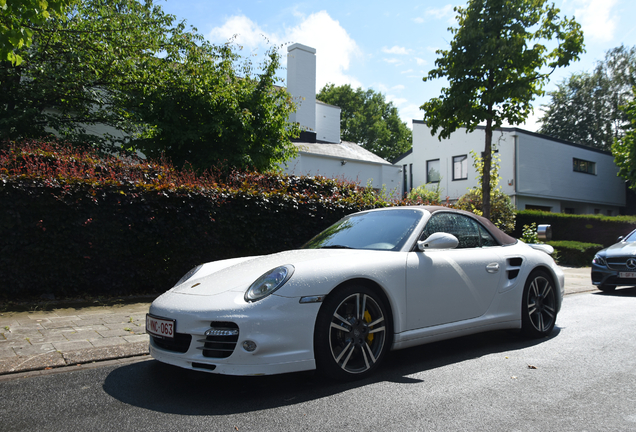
x=616, y=265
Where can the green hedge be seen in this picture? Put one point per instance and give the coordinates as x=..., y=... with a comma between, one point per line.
x=603, y=230
x=574, y=254
x=76, y=225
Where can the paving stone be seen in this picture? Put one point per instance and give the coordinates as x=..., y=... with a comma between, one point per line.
x=64, y=318
x=106, y=353
x=56, y=331
x=7, y=352
x=40, y=315
x=38, y=362
x=72, y=346
x=116, y=319
x=32, y=350
x=137, y=338
x=114, y=333
x=88, y=321
x=82, y=335
x=94, y=328
x=8, y=323
x=25, y=329
x=105, y=342
x=56, y=337
x=58, y=325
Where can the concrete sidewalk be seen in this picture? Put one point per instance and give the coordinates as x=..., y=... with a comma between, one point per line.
x=42, y=340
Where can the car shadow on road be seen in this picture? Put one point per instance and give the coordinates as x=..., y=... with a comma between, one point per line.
x=619, y=292
x=163, y=388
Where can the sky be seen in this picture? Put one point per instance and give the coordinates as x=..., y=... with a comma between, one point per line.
x=387, y=46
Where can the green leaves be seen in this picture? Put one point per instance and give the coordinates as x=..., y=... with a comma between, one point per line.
x=585, y=108
x=496, y=65
x=624, y=148
x=122, y=73
x=367, y=119
x=19, y=20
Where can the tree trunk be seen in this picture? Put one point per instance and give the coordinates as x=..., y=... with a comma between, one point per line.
x=485, y=178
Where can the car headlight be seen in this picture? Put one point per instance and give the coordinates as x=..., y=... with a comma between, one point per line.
x=189, y=274
x=269, y=282
x=599, y=260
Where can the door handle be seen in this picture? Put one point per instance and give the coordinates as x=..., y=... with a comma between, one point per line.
x=492, y=268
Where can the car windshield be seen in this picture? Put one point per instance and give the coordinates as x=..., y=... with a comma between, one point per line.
x=631, y=237
x=380, y=230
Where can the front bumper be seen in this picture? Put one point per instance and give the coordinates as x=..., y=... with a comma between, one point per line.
x=280, y=328
x=605, y=276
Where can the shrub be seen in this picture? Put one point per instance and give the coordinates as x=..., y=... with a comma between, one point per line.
x=599, y=229
x=529, y=234
x=425, y=194
x=502, y=212
x=75, y=224
x=575, y=254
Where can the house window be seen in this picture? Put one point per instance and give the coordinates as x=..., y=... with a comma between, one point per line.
x=584, y=166
x=405, y=180
x=460, y=167
x=432, y=171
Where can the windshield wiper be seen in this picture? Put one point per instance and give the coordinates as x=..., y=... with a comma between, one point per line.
x=336, y=247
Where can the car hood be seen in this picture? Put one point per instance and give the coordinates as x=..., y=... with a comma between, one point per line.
x=621, y=249
x=238, y=274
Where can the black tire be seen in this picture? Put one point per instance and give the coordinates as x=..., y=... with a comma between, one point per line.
x=606, y=288
x=353, y=333
x=539, y=305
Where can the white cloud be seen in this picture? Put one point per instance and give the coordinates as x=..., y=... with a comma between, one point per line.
x=410, y=112
x=396, y=50
x=596, y=18
x=441, y=13
x=420, y=61
x=391, y=60
x=246, y=31
x=335, y=49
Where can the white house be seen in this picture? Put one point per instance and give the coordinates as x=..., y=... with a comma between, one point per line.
x=320, y=150
x=537, y=171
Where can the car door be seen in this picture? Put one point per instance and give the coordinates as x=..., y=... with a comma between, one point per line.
x=450, y=285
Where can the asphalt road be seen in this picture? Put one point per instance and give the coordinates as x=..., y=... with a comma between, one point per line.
x=583, y=378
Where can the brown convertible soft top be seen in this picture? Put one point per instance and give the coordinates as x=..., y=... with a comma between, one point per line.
x=499, y=235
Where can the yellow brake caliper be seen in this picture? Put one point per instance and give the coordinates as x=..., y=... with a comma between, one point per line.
x=367, y=318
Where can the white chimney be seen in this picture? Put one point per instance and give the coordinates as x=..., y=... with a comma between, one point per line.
x=301, y=84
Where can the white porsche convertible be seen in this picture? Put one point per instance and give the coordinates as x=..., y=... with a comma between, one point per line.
x=375, y=281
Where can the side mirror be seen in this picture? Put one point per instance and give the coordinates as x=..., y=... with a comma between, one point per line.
x=620, y=238
x=438, y=240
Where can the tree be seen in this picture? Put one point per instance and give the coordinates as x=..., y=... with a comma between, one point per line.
x=585, y=108
x=495, y=68
x=502, y=212
x=20, y=19
x=367, y=119
x=624, y=148
x=127, y=68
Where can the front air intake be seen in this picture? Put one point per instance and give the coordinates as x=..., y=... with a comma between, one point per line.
x=220, y=340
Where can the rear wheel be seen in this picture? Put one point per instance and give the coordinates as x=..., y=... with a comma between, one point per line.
x=539, y=306
x=352, y=333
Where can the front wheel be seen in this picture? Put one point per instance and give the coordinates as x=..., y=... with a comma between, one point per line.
x=539, y=305
x=352, y=333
